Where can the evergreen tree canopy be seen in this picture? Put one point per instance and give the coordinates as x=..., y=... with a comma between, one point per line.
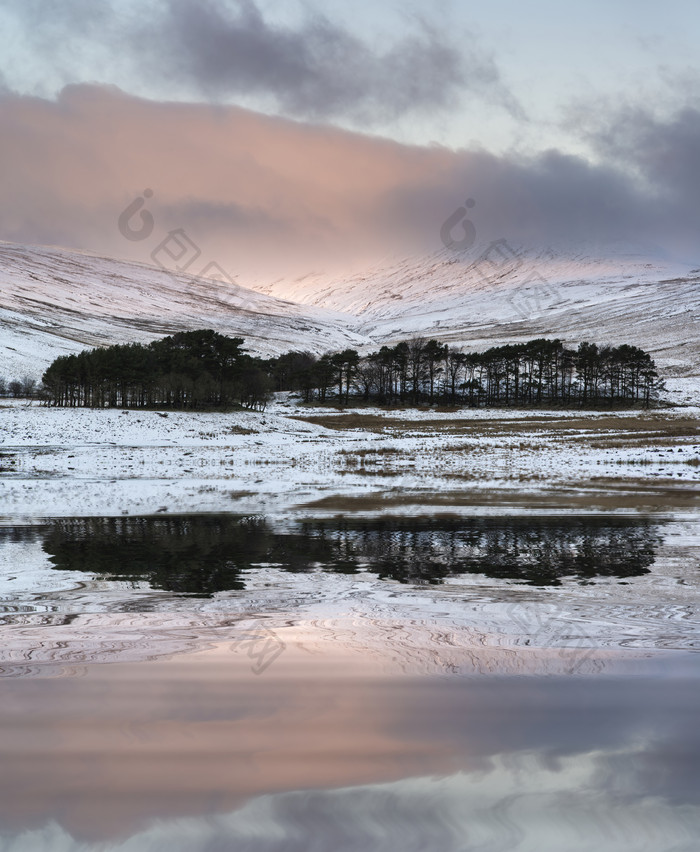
x=204, y=369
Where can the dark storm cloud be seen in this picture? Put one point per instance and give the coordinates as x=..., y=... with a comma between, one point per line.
x=223, y=49
x=550, y=198
x=660, y=150
x=664, y=151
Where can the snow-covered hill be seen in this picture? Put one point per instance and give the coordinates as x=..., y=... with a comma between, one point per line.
x=55, y=301
x=498, y=294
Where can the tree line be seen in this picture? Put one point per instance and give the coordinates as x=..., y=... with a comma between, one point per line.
x=418, y=371
x=188, y=370
x=26, y=387
x=204, y=369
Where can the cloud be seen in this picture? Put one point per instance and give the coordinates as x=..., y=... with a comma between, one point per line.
x=318, y=70
x=657, y=144
x=565, y=807
x=665, y=152
x=270, y=196
x=228, y=49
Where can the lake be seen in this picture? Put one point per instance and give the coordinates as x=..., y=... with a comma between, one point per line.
x=211, y=682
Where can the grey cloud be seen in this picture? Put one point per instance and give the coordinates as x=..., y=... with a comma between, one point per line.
x=570, y=804
x=218, y=217
x=665, y=152
x=658, y=150
x=550, y=199
x=320, y=70
x=223, y=49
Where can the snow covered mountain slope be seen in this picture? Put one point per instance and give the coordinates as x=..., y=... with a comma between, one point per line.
x=496, y=295
x=54, y=301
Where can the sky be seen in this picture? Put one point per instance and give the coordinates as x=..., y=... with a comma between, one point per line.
x=278, y=139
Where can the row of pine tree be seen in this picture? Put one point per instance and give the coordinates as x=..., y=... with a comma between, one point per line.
x=204, y=369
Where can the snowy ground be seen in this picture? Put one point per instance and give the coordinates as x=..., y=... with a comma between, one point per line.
x=68, y=462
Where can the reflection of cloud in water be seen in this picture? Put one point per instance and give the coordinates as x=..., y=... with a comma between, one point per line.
x=517, y=806
x=328, y=750
x=109, y=754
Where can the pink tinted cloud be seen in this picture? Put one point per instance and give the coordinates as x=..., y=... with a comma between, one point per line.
x=266, y=196
x=252, y=190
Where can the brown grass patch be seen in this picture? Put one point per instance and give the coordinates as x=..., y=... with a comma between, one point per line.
x=608, y=495
x=370, y=451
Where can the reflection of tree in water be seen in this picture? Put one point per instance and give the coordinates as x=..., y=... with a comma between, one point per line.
x=175, y=554
x=21, y=535
x=539, y=551
x=204, y=554
x=188, y=554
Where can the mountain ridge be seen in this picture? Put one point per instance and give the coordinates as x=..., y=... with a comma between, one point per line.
x=54, y=301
